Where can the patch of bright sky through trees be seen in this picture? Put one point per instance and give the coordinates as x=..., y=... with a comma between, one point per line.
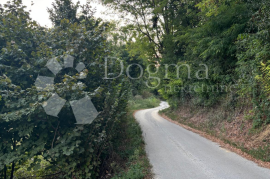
x=39, y=10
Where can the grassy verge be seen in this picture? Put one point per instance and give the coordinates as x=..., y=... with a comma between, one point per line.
x=129, y=156
x=139, y=103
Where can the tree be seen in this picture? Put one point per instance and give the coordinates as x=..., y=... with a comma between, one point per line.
x=156, y=20
x=64, y=9
x=27, y=132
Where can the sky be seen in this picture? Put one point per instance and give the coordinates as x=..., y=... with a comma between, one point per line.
x=40, y=14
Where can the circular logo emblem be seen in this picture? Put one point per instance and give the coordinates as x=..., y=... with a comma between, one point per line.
x=83, y=109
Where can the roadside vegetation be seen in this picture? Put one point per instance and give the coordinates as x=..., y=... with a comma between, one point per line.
x=138, y=102
x=129, y=159
x=126, y=157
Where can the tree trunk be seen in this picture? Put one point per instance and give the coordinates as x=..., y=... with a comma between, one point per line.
x=13, y=163
x=5, y=172
x=12, y=170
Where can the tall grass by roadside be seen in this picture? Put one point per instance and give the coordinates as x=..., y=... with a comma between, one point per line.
x=132, y=162
x=129, y=145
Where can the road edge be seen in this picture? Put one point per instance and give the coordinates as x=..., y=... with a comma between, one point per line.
x=219, y=141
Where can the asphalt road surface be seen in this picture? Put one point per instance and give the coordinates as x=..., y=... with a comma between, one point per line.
x=176, y=153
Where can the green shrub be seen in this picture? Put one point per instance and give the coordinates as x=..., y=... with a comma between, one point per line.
x=140, y=103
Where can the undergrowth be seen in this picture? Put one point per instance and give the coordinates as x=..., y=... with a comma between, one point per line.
x=129, y=149
x=129, y=160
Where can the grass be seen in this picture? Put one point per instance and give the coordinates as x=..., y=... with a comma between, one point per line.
x=139, y=103
x=129, y=149
x=130, y=160
x=262, y=153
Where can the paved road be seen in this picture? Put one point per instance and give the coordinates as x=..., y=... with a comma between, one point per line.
x=177, y=153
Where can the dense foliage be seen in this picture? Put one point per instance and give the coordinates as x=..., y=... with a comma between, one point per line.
x=230, y=37
x=27, y=133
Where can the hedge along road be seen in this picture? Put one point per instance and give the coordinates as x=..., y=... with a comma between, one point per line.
x=176, y=153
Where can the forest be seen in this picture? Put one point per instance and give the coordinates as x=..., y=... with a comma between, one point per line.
x=198, y=54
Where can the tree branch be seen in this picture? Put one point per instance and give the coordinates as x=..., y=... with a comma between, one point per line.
x=55, y=133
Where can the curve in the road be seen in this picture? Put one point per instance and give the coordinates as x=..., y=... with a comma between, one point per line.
x=176, y=153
